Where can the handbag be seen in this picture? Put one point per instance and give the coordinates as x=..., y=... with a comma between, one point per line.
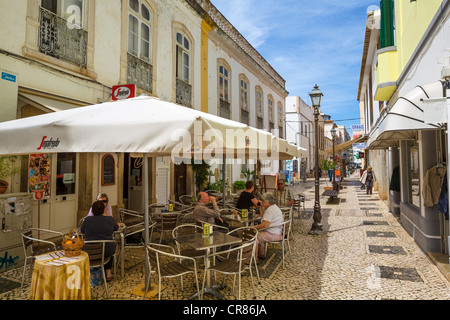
x=363, y=187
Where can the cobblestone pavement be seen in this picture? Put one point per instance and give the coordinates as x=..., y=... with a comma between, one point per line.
x=365, y=254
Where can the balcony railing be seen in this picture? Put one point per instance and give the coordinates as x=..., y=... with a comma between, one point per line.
x=184, y=93
x=60, y=39
x=140, y=73
x=225, y=111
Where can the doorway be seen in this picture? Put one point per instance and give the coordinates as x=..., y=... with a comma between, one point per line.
x=180, y=180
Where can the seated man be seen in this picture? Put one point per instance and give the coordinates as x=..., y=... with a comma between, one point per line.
x=283, y=196
x=270, y=228
x=203, y=213
x=247, y=198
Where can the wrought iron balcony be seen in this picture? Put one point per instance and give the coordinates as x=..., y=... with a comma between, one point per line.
x=225, y=111
x=184, y=93
x=60, y=39
x=140, y=73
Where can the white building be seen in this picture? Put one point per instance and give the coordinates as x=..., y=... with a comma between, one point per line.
x=66, y=54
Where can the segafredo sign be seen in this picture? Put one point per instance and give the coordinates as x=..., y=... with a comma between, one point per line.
x=123, y=91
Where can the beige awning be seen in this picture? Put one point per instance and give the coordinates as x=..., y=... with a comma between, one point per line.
x=346, y=145
x=46, y=104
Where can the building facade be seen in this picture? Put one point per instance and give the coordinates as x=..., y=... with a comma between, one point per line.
x=69, y=54
x=405, y=66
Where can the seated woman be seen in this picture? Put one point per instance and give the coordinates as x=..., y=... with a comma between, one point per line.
x=270, y=228
x=100, y=226
x=103, y=197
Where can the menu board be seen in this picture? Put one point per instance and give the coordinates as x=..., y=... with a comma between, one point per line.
x=39, y=173
x=108, y=170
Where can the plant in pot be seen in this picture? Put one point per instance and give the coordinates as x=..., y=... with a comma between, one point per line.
x=7, y=169
x=239, y=185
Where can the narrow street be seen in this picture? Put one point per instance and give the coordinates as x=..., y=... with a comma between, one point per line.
x=364, y=255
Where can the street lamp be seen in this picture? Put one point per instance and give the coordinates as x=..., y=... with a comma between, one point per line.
x=316, y=97
x=333, y=136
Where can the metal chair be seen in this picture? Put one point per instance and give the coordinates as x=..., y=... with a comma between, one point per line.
x=165, y=222
x=127, y=234
x=248, y=234
x=96, y=251
x=299, y=202
x=169, y=269
x=186, y=199
x=28, y=240
x=239, y=260
x=286, y=226
x=185, y=229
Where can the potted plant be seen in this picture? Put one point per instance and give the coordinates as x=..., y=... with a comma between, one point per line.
x=238, y=185
x=7, y=169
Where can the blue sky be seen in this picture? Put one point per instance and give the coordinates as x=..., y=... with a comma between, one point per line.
x=309, y=42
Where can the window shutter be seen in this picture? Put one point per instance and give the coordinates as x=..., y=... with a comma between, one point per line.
x=387, y=23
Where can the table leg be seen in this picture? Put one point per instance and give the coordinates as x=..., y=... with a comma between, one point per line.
x=208, y=288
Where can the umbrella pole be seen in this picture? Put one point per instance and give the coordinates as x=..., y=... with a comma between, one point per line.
x=146, y=215
x=223, y=180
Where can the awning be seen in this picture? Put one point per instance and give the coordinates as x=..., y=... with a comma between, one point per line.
x=346, y=145
x=46, y=104
x=405, y=118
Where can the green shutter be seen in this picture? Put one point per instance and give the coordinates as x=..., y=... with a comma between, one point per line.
x=387, y=23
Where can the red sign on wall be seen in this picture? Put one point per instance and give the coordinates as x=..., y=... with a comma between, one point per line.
x=123, y=91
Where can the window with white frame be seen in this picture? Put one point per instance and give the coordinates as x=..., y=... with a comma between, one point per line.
x=270, y=111
x=183, y=57
x=139, y=59
x=139, y=30
x=280, y=119
x=259, y=108
x=224, y=81
x=243, y=100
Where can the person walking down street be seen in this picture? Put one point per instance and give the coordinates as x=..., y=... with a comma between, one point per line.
x=367, y=179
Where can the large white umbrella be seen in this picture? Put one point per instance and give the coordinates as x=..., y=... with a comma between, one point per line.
x=142, y=125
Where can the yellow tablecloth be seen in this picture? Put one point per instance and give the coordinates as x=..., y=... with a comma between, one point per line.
x=66, y=282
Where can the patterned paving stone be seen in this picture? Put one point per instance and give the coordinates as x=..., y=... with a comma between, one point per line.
x=408, y=274
x=381, y=234
x=386, y=249
x=375, y=223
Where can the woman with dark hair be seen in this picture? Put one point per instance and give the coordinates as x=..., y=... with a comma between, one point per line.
x=101, y=226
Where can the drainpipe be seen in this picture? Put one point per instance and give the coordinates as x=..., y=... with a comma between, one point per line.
x=445, y=73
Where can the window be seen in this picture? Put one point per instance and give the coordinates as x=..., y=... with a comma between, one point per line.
x=387, y=35
x=223, y=84
x=183, y=57
x=259, y=108
x=270, y=113
x=183, y=52
x=139, y=30
x=62, y=33
x=139, y=59
x=280, y=119
x=412, y=150
x=243, y=100
x=65, y=173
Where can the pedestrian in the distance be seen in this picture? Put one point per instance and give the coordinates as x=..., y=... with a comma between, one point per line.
x=367, y=179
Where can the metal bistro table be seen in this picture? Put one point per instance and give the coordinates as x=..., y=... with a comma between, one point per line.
x=199, y=242
x=250, y=219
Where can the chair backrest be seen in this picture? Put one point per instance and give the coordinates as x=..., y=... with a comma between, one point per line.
x=30, y=236
x=245, y=233
x=186, y=199
x=186, y=218
x=184, y=229
x=96, y=251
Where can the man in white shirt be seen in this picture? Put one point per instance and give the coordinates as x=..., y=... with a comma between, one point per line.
x=270, y=228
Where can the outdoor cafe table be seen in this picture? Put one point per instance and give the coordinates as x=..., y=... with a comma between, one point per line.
x=61, y=279
x=251, y=218
x=199, y=242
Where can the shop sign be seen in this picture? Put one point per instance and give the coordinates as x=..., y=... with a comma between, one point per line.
x=123, y=91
